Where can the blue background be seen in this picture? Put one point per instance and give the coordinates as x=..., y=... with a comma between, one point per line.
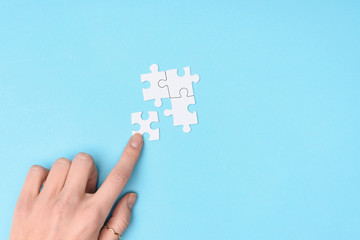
x=276, y=152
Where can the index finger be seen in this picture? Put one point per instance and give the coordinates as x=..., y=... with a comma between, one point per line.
x=119, y=176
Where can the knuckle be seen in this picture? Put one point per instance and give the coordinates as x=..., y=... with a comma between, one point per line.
x=64, y=206
x=130, y=153
x=63, y=162
x=120, y=177
x=85, y=157
x=37, y=169
x=85, y=160
x=68, y=198
x=121, y=224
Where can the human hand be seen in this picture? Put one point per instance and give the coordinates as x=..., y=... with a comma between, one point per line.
x=69, y=206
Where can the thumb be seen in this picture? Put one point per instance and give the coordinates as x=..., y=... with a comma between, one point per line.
x=120, y=218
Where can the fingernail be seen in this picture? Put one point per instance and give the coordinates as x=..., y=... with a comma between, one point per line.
x=131, y=200
x=136, y=140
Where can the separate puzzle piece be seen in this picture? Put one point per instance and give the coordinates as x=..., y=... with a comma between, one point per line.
x=155, y=91
x=180, y=112
x=145, y=124
x=175, y=83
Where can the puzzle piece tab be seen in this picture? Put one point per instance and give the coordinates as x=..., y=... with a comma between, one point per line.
x=175, y=83
x=145, y=124
x=155, y=91
x=180, y=112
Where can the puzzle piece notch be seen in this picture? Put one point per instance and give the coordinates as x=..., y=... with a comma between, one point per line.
x=155, y=92
x=145, y=125
x=176, y=83
x=180, y=112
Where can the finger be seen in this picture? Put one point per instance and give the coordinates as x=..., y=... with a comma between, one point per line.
x=33, y=182
x=57, y=176
x=119, y=176
x=82, y=176
x=120, y=219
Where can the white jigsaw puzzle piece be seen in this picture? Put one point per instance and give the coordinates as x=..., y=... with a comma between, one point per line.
x=155, y=91
x=145, y=124
x=180, y=112
x=175, y=83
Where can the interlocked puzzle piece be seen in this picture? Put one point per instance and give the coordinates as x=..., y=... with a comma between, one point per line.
x=168, y=84
x=175, y=83
x=180, y=112
x=145, y=124
x=155, y=91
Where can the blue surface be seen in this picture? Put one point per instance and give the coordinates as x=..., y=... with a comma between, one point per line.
x=276, y=152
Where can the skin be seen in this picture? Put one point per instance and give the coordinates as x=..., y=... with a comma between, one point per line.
x=68, y=206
